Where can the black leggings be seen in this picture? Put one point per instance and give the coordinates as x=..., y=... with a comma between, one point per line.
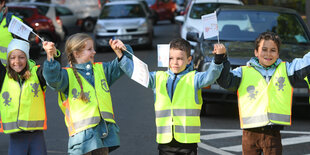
x=176, y=148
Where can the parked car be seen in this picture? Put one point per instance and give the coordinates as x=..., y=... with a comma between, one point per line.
x=63, y=18
x=238, y=27
x=128, y=21
x=164, y=9
x=40, y=24
x=87, y=11
x=191, y=20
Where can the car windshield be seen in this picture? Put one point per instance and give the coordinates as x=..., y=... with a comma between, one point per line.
x=247, y=25
x=122, y=11
x=200, y=9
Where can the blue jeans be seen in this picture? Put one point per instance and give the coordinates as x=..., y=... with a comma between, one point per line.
x=27, y=143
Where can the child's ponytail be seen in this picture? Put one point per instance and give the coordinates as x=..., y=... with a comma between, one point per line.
x=72, y=61
x=75, y=44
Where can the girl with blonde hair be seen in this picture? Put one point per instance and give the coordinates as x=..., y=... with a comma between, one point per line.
x=84, y=95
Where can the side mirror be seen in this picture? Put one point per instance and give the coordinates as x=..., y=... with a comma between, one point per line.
x=179, y=19
x=192, y=36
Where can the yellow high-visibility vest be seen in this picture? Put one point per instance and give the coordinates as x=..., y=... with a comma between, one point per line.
x=5, y=39
x=81, y=115
x=261, y=103
x=181, y=117
x=23, y=107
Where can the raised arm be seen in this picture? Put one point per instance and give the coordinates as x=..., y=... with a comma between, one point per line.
x=55, y=76
x=117, y=46
x=209, y=76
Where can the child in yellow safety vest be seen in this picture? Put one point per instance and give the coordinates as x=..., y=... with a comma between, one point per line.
x=22, y=101
x=84, y=95
x=264, y=89
x=178, y=95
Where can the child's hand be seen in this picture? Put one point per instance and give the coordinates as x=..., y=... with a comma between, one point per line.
x=50, y=49
x=219, y=49
x=117, y=46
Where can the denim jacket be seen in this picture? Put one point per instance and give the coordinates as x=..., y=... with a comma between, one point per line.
x=202, y=79
x=297, y=70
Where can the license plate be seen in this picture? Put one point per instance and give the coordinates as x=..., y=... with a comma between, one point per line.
x=123, y=37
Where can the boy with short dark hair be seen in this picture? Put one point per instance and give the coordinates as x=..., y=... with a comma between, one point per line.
x=177, y=96
x=265, y=89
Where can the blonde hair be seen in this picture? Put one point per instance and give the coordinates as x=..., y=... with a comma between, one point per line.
x=76, y=43
x=24, y=74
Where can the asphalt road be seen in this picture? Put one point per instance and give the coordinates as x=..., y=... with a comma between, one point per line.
x=134, y=112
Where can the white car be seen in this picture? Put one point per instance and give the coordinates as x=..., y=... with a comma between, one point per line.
x=127, y=20
x=191, y=20
x=87, y=11
x=62, y=17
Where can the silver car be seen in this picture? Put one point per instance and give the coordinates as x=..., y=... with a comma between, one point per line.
x=128, y=21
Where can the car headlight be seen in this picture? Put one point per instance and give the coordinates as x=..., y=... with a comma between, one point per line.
x=100, y=28
x=143, y=26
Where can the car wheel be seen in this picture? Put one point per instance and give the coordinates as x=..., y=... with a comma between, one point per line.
x=88, y=25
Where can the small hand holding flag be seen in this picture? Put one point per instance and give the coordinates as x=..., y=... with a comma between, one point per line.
x=20, y=29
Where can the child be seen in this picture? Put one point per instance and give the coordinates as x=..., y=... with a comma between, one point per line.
x=177, y=96
x=264, y=94
x=22, y=99
x=84, y=95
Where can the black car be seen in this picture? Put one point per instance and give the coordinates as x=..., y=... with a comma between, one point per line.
x=238, y=27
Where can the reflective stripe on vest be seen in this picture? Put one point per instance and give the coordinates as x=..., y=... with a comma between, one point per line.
x=23, y=124
x=178, y=129
x=261, y=103
x=23, y=108
x=182, y=115
x=3, y=54
x=79, y=115
x=177, y=112
x=5, y=39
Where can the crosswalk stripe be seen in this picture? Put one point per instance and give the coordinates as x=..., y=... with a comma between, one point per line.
x=286, y=141
x=227, y=133
x=221, y=135
x=296, y=140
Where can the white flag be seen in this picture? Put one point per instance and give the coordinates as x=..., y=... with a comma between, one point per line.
x=210, y=28
x=140, y=72
x=19, y=28
x=163, y=55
